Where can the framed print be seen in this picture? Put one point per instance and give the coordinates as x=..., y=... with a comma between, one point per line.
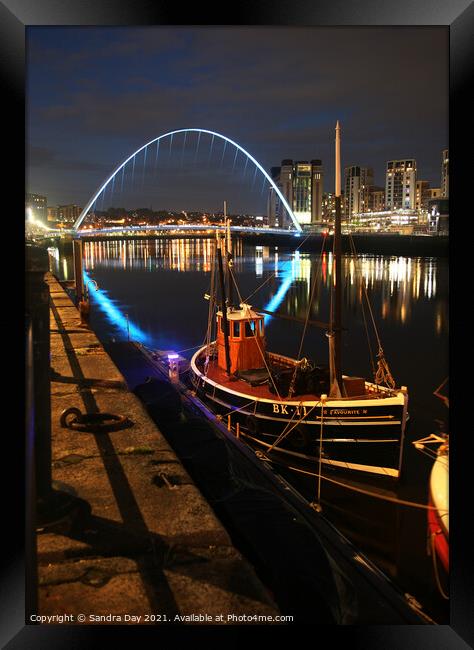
x=215, y=434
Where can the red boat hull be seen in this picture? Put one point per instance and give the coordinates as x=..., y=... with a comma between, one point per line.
x=438, y=537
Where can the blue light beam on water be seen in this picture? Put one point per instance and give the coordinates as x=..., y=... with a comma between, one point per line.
x=115, y=315
x=277, y=299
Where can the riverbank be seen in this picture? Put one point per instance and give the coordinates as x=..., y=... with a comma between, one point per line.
x=364, y=243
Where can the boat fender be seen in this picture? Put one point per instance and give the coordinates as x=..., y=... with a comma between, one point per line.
x=299, y=439
x=252, y=425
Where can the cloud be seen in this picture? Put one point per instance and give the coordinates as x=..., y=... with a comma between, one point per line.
x=275, y=90
x=45, y=157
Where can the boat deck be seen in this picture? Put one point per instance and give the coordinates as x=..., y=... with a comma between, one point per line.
x=218, y=375
x=241, y=386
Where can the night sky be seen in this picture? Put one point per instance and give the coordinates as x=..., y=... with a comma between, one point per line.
x=94, y=95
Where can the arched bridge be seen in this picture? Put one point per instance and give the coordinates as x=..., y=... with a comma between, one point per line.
x=111, y=178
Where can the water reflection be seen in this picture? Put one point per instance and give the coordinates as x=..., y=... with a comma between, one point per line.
x=61, y=265
x=395, y=285
x=168, y=254
x=154, y=289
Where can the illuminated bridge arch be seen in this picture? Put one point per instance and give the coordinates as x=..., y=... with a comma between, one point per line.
x=171, y=133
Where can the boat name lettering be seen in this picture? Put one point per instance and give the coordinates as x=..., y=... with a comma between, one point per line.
x=344, y=412
x=285, y=409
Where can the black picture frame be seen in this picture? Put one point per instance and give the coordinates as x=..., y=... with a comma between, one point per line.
x=457, y=16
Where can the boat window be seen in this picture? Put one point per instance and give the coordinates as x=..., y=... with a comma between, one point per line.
x=236, y=334
x=249, y=328
x=261, y=327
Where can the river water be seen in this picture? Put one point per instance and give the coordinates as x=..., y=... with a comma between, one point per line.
x=153, y=291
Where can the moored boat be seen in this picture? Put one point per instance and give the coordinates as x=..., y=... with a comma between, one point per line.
x=293, y=409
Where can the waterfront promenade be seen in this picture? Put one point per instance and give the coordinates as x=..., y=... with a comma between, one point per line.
x=147, y=543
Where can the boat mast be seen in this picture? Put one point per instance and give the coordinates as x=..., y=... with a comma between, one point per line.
x=225, y=322
x=228, y=248
x=337, y=322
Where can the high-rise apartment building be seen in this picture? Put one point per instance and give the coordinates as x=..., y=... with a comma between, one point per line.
x=329, y=206
x=37, y=206
x=316, y=191
x=53, y=213
x=434, y=193
x=422, y=195
x=376, y=199
x=357, y=181
x=68, y=213
x=400, y=184
x=445, y=174
x=301, y=183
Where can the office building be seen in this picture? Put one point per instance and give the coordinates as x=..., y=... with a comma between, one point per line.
x=301, y=183
x=357, y=181
x=400, y=184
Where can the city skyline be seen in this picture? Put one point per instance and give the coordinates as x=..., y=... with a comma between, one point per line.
x=96, y=94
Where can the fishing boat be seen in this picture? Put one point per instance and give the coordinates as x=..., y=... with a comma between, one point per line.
x=292, y=409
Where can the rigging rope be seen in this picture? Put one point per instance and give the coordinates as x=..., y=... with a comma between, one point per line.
x=382, y=374
x=262, y=354
x=235, y=410
x=400, y=502
x=291, y=388
x=285, y=433
x=273, y=274
x=210, y=318
x=318, y=505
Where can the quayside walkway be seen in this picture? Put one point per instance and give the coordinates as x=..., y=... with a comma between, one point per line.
x=147, y=544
